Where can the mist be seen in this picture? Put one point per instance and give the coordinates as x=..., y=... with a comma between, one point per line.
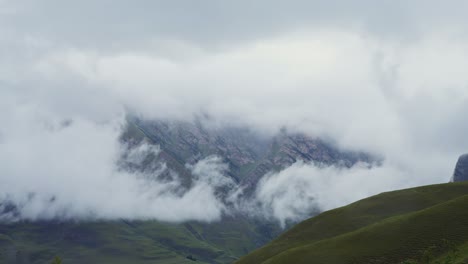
x=387, y=80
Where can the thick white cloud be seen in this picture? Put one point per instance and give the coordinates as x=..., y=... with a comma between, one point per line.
x=60, y=168
x=354, y=88
x=296, y=192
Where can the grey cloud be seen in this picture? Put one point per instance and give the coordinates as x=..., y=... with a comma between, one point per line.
x=388, y=77
x=117, y=25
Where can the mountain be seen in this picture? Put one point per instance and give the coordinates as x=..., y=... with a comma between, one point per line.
x=419, y=225
x=249, y=155
x=461, y=169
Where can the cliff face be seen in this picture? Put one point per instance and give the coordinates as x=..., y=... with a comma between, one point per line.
x=461, y=169
x=250, y=155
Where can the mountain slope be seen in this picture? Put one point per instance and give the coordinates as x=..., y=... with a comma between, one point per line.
x=124, y=241
x=249, y=154
x=388, y=228
x=179, y=144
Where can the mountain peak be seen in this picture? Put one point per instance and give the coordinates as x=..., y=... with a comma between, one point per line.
x=461, y=169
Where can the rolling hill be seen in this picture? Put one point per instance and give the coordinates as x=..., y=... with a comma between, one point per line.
x=419, y=225
x=122, y=241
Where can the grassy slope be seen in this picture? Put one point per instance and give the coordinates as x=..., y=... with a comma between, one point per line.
x=387, y=228
x=125, y=242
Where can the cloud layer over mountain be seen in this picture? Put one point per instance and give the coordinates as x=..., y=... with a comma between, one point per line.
x=389, y=78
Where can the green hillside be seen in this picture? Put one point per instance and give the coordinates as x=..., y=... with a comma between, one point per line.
x=127, y=242
x=420, y=225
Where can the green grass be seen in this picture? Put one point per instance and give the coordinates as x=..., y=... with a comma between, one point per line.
x=388, y=228
x=126, y=242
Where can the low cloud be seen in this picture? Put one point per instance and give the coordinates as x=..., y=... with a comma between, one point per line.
x=55, y=168
x=70, y=172
x=303, y=189
x=88, y=184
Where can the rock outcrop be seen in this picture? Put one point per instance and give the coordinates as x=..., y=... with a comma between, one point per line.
x=461, y=169
x=250, y=155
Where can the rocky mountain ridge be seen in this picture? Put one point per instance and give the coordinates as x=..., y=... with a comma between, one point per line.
x=249, y=155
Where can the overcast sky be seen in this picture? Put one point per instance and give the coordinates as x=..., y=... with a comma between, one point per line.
x=388, y=77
